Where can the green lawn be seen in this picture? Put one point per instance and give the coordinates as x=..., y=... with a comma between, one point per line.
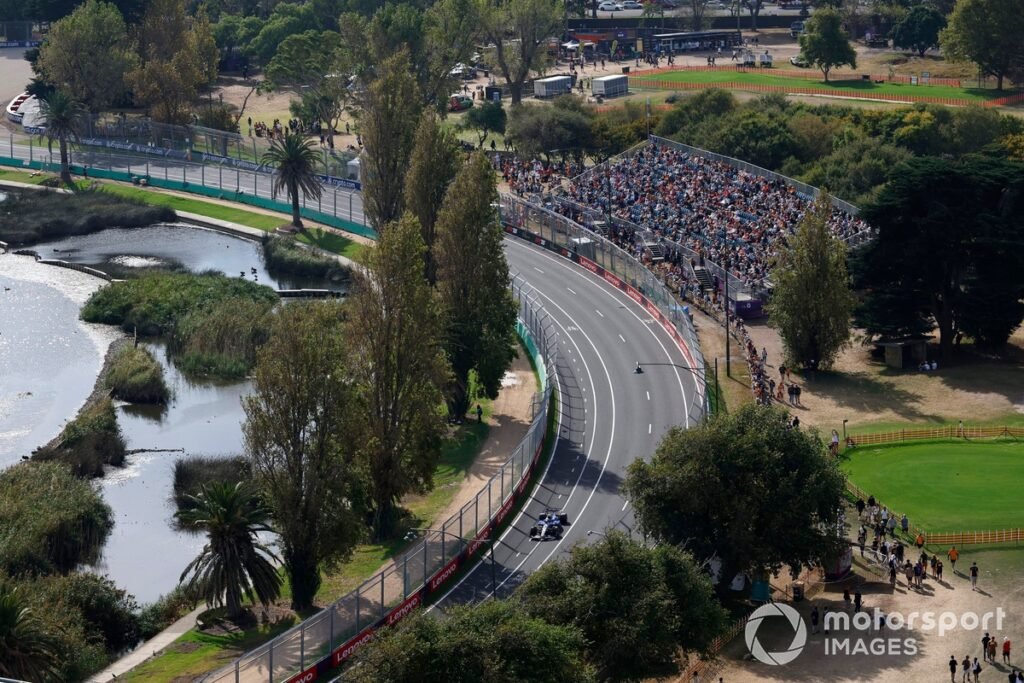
x=858, y=87
x=943, y=485
x=21, y=177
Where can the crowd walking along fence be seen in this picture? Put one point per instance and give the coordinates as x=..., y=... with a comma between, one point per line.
x=329, y=638
x=338, y=206
x=601, y=257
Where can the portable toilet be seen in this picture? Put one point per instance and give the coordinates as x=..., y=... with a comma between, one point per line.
x=765, y=59
x=352, y=169
x=749, y=60
x=492, y=93
x=552, y=86
x=610, y=86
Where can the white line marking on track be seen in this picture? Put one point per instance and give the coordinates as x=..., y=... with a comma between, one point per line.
x=598, y=311
x=622, y=338
x=570, y=291
x=648, y=396
x=538, y=270
x=624, y=505
x=649, y=427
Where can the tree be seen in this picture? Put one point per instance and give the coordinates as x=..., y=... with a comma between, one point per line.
x=636, y=606
x=432, y=167
x=87, y=54
x=919, y=29
x=294, y=160
x=986, y=32
x=296, y=435
x=824, y=43
x=565, y=126
x=177, y=55
x=233, y=562
x=744, y=489
x=287, y=19
x=63, y=116
x=388, y=117
x=754, y=7
x=519, y=31
x=488, y=118
x=496, y=641
x=27, y=651
x=394, y=331
x=948, y=248
x=811, y=302
x=472, y=281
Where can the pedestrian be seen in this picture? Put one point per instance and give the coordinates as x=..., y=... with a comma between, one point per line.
x=992, y=650
x=814, y=619
x=860, y=507
x=479, y=413
x=846, y=598
x=1006, y=650
x=953, y=556
x=974, y=576
x=984, y=645
x=966, y=667
x=797, y=391
x=905, y=525
x=919, y=541
x=938, y=571
x=952, y=669
x=858, y=601
x=976, y=669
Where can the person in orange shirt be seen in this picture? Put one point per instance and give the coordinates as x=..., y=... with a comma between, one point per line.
x=1006, y=650
x=953, y=556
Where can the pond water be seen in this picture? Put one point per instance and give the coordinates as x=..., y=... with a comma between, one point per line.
x=175, y=244
x=49, y=361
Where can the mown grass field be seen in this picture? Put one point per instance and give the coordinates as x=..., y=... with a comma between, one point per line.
x=857, y=88
x=945, y=485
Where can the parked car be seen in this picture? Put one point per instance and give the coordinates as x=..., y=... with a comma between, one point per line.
x=607, y=6
x=632, y=4
x=796, y=28
x=800, y=61
x=667, y=4
x=459, y=102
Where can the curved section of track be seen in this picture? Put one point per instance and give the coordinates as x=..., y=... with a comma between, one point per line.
x=608, y=414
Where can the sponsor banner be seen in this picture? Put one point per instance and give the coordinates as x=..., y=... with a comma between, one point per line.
x=403, y=610
x=611, y=278
x=636, y=296
x=503, y=512
x=345, y=652
x=446, y=573
x=20, y=43
x=340, y=182
x=590, y=265
x=307, y=676
x=478, y=541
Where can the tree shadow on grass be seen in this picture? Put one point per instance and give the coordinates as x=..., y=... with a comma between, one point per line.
x=860, y=391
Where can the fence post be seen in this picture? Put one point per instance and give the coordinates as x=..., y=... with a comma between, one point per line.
x=270, y=656
x=237, y=662
x=302, y=646
x=350, y=208
x=426, y=539
x=330, y=632
x=382, y=595
x=358, y=611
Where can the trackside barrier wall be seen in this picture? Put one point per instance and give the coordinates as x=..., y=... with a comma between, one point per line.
x=338, y=207
x=310, y=650
x=565, y=237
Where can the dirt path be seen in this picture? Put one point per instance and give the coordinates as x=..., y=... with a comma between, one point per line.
x=509, y=420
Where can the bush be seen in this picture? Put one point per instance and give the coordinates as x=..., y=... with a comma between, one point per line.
x=33, y=216
x=50, y=521
x=213, y=323
x=106, y=610
x=191, y=474
x=135, y=376
x=90, y=441
x=167, y=609
x=283, y=255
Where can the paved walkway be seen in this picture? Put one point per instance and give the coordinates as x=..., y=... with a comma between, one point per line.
x=150, y=648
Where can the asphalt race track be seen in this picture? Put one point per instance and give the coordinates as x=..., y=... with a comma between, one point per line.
x=608, y=417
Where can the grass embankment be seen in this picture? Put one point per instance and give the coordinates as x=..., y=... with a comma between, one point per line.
x=135, y=376
x=213, y=323
x=858, y=88
x=30, y=216
x=285, y=256
x=934, y=422
x=90, y=441
x=945, y=486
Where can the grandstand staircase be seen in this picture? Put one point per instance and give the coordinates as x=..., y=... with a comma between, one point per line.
x=653, y=246
x=707, y=284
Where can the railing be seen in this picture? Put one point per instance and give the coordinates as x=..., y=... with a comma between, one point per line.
x=598, y=255
x=338, y=206
x=950, y=432
x=330, y=637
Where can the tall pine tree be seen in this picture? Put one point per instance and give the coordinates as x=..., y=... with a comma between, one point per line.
x=434, y=163
x=812, y=303
x=394, y=331
x=472, y=280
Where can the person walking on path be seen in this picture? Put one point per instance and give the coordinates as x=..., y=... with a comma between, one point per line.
x=952, y=669
x=976, y=669
x=905, y=525
x=992, y=650
x=858, y=601
x=965, y=677
x=1006, y=650
x=814, y=619
x=974, y=576
x=984, y=645
x=953, y=556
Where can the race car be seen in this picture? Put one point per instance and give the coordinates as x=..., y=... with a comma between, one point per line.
x=549, y=524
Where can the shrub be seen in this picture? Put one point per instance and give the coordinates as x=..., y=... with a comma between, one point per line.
x=90, y=441
x=137, y=377
x=221, y=340
x=167, y=609
x=33, y=216
x=191, y=474
x=50, y=521
x=283, y=255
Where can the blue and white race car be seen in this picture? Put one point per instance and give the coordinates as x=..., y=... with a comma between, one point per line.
x=549, y=525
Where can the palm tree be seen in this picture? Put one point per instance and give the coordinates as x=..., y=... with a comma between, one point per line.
x=63, y=116
x=233, y=562
x=27, y=651
x=294, y=160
